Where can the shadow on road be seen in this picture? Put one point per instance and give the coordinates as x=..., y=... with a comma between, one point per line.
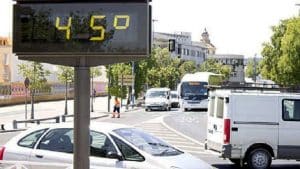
x=274, y=166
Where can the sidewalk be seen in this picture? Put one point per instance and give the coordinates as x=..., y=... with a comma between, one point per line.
x=51, y=109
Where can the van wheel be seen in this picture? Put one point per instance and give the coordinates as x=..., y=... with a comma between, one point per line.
x=259, y=158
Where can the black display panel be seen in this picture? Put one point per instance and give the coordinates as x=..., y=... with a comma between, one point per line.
x=81, y=29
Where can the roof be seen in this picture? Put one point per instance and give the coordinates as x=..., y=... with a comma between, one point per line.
x=159, y=89
x=197, y=77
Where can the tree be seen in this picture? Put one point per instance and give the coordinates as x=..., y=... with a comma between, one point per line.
x=94, y=72
x=281, y=56
x=252, y=69
x=37, y=75
x=116, y=73
x=66, y=75
x=212, y=65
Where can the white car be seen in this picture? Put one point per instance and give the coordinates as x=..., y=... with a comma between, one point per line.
x=158, y=99
x=174, y=99
x=112, y=145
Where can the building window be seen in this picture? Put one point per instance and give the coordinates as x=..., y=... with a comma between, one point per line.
x=192, y=52
x=187, y=52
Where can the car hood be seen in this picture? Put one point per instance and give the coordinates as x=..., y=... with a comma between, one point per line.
x=184, y=161
x=155, y=100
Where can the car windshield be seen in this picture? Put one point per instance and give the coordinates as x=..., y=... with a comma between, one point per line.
x=153, y=94
x=194, y=88
x=147, y=142
x=174, y=96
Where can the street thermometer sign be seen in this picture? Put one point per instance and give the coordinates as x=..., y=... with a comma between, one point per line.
x=61, y=31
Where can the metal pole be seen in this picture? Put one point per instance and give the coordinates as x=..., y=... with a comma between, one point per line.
x=66, y=96
x=109, y=83
x=254, y=76
x=92, y=105
x=33, y=92
x=82, y=117
x=132, y=91
x=25, y=105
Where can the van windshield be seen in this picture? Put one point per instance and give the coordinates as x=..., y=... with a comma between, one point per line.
x=153, y=94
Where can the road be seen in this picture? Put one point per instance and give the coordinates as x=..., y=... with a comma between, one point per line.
x=185, y=130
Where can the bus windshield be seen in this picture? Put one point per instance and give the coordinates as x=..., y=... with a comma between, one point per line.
x=193, y=88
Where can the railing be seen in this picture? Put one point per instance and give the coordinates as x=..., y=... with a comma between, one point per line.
x=38, y=121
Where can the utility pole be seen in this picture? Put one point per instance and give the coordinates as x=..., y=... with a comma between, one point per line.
x=132, y=91
x=254, y=65
x=109, y=85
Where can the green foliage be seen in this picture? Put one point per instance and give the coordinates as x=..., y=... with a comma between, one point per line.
x=116, y=72
x=95, y=72
x=159, y=70
x=281, y=56
x=252, y=68
x=36, y=74
x=212, y=65
x=65, y=74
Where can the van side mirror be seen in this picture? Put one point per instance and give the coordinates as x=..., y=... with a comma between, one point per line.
x=114, y=155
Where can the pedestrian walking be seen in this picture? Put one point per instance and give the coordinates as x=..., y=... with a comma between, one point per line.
x=116, y=108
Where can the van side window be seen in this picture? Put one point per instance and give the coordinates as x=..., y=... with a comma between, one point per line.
x=291, y=110
x=220, y=107
x=211, y=106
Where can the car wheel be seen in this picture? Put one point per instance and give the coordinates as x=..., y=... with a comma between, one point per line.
x=146, y=109
x=259, y=158
x=169, y=108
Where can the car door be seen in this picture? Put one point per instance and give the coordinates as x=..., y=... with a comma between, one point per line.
x=132, y=159
x=21, y=149
x=101, y=146
x=56, y=147
x=289, y=133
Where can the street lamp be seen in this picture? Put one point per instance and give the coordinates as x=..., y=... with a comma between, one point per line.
x=26, y=84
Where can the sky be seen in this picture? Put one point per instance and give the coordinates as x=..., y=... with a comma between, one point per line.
x=234, y=26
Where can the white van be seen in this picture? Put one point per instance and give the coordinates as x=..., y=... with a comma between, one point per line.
x=254, y=127
x=158, y=99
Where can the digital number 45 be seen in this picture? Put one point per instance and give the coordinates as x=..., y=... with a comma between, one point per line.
x=99, y=28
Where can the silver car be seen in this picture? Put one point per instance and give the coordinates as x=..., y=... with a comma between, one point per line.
x=111, y=145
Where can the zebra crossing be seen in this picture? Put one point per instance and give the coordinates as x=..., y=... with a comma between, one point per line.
x=175, y=139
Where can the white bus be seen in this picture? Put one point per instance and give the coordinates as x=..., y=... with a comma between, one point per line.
x=193, y=90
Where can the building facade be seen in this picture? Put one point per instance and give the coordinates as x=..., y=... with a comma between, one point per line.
x=5, y=60
x=185, y=48
x=237, y=64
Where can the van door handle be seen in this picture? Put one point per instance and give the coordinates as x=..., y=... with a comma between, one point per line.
x=234, y=129
x=39, y=156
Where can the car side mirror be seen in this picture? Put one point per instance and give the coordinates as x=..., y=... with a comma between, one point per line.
x=168, y=97
x=114, y=155
x=144, y=97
